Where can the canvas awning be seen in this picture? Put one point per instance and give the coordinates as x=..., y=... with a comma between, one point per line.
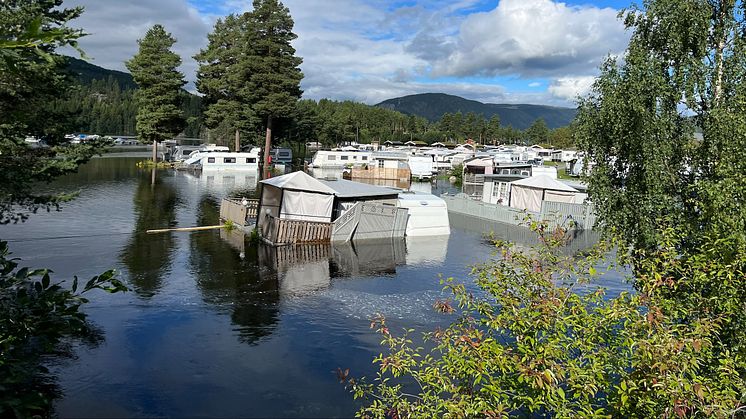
x=299, y=181
x=298, y=196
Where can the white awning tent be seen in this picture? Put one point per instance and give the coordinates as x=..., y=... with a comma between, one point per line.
x=297, y=196
x=529, y=193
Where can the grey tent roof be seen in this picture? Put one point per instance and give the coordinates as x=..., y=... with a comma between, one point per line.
x=300, y=181
x=349, y=189
x=543, y=182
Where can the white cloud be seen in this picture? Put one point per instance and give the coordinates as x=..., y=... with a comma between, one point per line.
x=371, y=50
x=569, y=88
x=534, y=84
x=531, y=38
x=115, y=27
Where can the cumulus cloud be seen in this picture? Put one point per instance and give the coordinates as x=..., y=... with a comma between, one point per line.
x=115, y=27
x=532, y=38
x=569, y=88
x=371, y=50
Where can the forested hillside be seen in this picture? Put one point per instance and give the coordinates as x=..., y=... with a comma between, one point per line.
x=519, y=116
x=102, y=102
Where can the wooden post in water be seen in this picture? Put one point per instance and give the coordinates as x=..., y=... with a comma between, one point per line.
x=155, y=151
x=238, y=141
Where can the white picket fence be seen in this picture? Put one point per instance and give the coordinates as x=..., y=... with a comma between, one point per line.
x=554, y=213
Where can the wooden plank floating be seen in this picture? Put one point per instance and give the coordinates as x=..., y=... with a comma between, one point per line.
x=167, y=230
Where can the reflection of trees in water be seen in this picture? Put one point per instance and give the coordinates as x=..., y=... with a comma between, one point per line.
x=226, y=279
x=148, y=256
x=99, y=170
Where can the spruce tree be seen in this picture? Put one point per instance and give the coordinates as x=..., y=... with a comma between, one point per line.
x=275, y=76
x=154, y=68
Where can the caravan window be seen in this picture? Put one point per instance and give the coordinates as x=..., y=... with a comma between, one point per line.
x=229, y=159
x=365, y=157
x=330, y=157
x=380, y=164
x=251, y=160
x=211, y=159
x=344, y=157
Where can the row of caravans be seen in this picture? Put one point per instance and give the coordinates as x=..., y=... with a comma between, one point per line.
x=213, y=157
x=422, y=167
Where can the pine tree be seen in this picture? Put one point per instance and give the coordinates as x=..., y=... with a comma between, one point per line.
x=223, y=77
x=275, y=76
x=154, y=68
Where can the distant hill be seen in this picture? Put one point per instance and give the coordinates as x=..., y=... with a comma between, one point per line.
x=87, y=72
x=433, y=105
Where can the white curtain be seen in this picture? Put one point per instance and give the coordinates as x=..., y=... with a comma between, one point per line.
x=307, y=206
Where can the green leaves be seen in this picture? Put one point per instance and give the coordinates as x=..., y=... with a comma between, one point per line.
x=531, y=344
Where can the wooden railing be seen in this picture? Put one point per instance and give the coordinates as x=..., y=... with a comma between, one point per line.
x=367, y=220
x=284, y=231
x=345, y=225
x=473, y=178
x=238, y=210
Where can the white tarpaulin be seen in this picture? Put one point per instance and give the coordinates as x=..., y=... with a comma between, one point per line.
x=528, y=193
x=544, y=182
x=300, y=181
x=297, y=205
x=526, y=198
x=557, y=196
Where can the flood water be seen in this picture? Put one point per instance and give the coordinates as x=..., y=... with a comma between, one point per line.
x=215, y=326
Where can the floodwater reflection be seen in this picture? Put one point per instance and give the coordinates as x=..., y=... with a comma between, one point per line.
x=226, y=273
x=148, y=257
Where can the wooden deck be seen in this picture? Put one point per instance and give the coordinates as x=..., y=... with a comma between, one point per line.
x=283, y=231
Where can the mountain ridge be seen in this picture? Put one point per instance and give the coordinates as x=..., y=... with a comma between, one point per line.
x=432, y=106
x=86, y=72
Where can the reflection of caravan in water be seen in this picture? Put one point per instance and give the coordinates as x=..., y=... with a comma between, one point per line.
x=303, y=269
x=221, y=184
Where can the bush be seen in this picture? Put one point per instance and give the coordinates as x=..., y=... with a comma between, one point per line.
x=36, y=315
x=538, y=340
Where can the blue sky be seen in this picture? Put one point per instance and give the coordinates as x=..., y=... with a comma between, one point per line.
x=506, y=51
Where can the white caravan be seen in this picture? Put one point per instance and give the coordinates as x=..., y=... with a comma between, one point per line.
x=224, y=160
x=325, y=159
